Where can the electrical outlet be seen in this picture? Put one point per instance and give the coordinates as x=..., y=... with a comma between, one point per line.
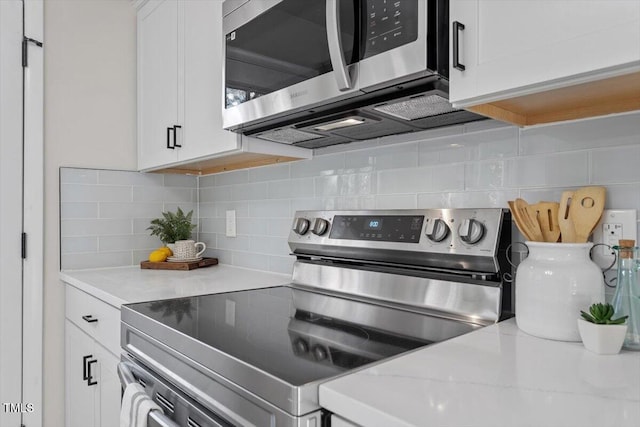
x=614, y=225
x=231, y=224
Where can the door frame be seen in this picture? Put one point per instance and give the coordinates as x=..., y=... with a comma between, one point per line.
x=33, y=216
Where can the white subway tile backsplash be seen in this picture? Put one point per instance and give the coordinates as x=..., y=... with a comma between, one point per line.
x=480, y=164
x=290, y=189
x=91, y=260
x=253, y=191
x=104, y=214
x=94, y=227
x=384, y=157
x=128, y=242
x=112, y=177
x=231, y=178
x=610, y=131
x=269, y=209
x=78, y=176
x=79, y=244
x=251, y=260
x=79, y=210
x=186, y=181
x=396, y=201
x=215, y=194
x=616, y=166
x=95, y=193
x=130, y=210
x=269, y=173
x=318, y=166
x=485, y=175
x=562, y=169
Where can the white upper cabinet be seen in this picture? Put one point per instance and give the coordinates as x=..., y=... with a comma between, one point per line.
x=180, y=59
x=158, y=83
x=513, y=49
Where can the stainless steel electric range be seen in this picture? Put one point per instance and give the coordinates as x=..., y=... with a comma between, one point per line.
x=366, y=286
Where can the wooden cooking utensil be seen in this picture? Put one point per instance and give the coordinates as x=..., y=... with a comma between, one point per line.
x=547, y=214
x=567, y=229
x=519, y=221
x=586, y=210
x=529, y=220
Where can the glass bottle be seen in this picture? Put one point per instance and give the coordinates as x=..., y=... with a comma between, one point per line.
x=626, y=300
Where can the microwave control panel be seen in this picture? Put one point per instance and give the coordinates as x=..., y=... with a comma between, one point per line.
x=389, y=24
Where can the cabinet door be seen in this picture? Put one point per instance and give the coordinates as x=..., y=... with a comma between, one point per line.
x=520, y=47
x=159, y=72
x=202, y=133
x=108, y=399
x=80, y=397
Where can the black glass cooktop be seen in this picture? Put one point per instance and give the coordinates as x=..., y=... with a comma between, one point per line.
x=296, y=335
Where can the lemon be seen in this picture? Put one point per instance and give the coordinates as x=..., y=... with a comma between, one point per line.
x=166, y=250
x=157, y=256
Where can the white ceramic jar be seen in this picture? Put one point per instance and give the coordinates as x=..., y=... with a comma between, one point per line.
x=553, y=284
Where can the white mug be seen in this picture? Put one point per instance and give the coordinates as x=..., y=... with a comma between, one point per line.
x=186, y=249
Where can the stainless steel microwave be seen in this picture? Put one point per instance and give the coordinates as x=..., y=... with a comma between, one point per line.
x=331, y=63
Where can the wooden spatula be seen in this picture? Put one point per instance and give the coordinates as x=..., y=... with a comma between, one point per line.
x=519, y=221
x=586, y=210
x=547, y=214
x=567, y=229
x=529, y=220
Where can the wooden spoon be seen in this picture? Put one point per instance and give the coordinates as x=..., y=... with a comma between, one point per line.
x=567, y=229
x=529, y=220
x=547, y=215
x=519, y=221
x=586, y=210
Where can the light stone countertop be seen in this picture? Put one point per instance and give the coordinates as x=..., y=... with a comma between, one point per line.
x=123, y=285
x=495, y=376
x=492, y=377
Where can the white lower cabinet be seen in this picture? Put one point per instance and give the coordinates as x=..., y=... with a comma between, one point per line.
x=92, y=389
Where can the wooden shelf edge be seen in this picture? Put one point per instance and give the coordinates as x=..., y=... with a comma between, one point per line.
x=226, y=164
x=613, y=95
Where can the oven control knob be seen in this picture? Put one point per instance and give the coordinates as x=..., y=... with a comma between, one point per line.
x=320, y=226
x=301, y=346
x=471, y=231
x=319, y=353
x=437, y=230
x=301, y=226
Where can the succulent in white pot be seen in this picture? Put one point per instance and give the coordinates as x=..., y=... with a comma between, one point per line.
x=600, y=332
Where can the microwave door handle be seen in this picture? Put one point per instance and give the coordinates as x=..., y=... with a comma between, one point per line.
x=335, y=46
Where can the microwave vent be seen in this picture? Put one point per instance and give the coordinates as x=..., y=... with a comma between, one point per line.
x=288, y=136
x=417, y=108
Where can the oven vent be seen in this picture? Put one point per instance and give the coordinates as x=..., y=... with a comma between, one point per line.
x=288, y=136
x=418, y=107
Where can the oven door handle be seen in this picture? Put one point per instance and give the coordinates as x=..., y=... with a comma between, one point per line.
x=126, y=378
x=334, y=40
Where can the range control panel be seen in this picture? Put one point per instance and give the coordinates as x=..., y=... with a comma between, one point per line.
x=443, y=231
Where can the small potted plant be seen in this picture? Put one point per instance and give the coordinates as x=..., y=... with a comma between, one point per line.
x=601, y=333
x=172, y=227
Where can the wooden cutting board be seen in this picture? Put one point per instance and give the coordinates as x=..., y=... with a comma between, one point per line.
x=184, y=266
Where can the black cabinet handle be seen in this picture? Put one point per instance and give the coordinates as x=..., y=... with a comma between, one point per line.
x=169, y=130
x=85, y=371
x=89, y=376
x=89, y=318
x=175, y=136
x=457, y=27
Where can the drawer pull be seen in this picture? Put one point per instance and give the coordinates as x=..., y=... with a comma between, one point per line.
x=89, y=318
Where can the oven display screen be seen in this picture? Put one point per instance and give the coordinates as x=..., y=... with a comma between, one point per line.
x=382, y=228
x=373, y=224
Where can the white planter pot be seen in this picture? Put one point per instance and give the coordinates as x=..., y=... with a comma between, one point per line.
x=602, y=339
x=553, y=284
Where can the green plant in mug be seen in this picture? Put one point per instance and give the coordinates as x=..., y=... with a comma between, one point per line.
x=601, y=314
x=172, y=226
